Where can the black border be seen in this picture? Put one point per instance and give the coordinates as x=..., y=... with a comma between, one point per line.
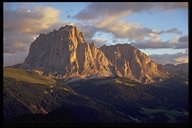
x=148, y=125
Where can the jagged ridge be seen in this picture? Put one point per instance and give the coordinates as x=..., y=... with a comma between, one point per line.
x=65, y=54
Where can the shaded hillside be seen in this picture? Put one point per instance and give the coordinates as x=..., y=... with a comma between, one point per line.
x=180, y=70
x=27, y=102
x=108, y=100
x=177, y=68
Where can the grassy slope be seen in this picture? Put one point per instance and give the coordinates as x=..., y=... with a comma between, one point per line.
x=26, y=93
x=22, y=75
x=116, y=94
x=29, y=89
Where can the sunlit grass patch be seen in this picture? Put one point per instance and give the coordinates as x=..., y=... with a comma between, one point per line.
x=30, y=77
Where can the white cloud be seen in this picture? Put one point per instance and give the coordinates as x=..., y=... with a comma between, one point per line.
x=99, y=41
x=99, y=10
x=178, y=58
x=21, y=20
x=107, y=17
x=155, y=43
x=21, y=26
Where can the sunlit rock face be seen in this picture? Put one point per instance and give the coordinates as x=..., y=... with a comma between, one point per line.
x=64, y=54
x=132, y=63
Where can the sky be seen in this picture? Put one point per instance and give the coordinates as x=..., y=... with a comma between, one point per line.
x=159, y=29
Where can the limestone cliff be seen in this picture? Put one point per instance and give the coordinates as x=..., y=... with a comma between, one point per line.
x=132, y=63
x=65, y=54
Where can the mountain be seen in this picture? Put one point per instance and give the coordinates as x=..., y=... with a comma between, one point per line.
x=177, y=68
x=132, y=63
x=180, y=70
x=66, y=80
x=65, y=54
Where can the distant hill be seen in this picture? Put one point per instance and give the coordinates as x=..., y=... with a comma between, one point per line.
x=177, y=68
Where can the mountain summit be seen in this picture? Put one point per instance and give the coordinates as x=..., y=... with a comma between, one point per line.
x=65, y=54
x=132, y=63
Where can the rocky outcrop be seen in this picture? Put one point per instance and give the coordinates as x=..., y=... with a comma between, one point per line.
x=132, y=63
x=65, y=54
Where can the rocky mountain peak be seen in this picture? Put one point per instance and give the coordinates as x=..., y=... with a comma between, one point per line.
x=73, y=33
x=65, y=54
x=133, y=63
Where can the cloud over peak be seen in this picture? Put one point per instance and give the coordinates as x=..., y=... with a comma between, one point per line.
x=97, y=10
x=21, y=25
x=108, y=17
x=22, y=22
x=30, y=21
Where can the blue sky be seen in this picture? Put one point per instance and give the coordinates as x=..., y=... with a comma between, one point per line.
x=163, y=20
x=154, y=28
